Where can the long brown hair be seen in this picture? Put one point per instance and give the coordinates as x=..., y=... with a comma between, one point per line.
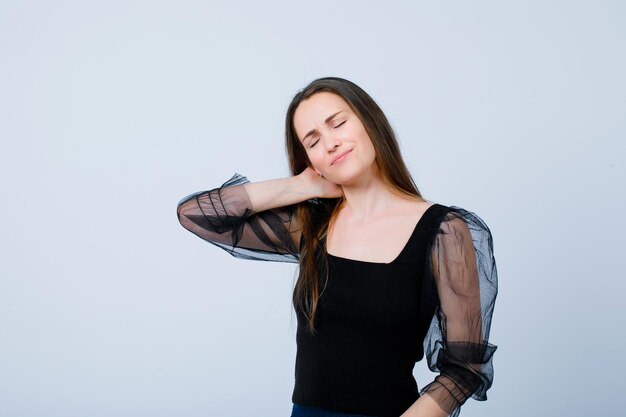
x=315, y=218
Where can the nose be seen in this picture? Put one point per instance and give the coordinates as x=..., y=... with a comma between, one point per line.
x=332, y=142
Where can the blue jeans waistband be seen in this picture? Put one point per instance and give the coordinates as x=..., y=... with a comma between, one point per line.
x=305, y=411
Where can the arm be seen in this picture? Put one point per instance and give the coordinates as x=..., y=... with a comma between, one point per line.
x=425, y=406
x=276, y=193
x=253, y=220
x=463, y=270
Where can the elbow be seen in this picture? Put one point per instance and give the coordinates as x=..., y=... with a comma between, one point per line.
x=191, y=216
x=182, y=212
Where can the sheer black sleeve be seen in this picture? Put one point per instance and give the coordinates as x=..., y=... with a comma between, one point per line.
x=224, y=217
x=463, y=270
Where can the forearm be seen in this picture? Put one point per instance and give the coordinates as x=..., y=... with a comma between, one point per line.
x=425, y=406
x=280, y=192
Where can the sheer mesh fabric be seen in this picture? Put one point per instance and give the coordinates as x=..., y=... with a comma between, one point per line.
x=460, y=279
x=462, y=269
x=224, y=217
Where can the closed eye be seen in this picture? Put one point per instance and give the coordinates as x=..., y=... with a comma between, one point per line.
x=313, y=143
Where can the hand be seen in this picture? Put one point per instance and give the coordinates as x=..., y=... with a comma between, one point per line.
x=320, y=186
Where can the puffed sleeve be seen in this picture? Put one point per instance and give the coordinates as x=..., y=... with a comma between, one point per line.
x=224, y=217
x=463, y=271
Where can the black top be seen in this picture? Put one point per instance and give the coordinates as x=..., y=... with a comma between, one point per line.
x=368, y=333
x=375, y=320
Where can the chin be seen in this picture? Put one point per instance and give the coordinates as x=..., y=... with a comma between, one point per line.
x=347, y=178
x=353, y=171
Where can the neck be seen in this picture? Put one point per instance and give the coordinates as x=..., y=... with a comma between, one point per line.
x=368, y=198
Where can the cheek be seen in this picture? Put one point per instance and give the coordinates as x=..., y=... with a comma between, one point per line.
x=314, y=158
x=364, y=140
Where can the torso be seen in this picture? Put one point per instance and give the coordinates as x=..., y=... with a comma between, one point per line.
x=372, y=315
x=379, y=240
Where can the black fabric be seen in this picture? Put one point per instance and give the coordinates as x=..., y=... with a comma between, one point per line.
x=435, y=299
x=368, y=337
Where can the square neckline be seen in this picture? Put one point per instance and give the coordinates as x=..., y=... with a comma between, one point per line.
x=404, y=248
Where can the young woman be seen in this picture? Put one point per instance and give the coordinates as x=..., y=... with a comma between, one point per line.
x=384, y=275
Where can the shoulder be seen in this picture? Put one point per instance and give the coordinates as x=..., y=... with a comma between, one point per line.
x=472, y=219
x=462, y=227
x=458, y=220
x=453, y=213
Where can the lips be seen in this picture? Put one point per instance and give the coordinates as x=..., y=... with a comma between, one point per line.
x=340, y=156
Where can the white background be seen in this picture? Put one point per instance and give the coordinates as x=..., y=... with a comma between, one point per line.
x=111, y=112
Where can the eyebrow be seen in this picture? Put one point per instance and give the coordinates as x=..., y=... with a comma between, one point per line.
x=328, y=119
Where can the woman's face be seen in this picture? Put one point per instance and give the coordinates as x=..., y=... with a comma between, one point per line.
x=335, y=140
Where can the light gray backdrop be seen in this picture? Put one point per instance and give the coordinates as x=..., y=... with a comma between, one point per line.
x=110, y=112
